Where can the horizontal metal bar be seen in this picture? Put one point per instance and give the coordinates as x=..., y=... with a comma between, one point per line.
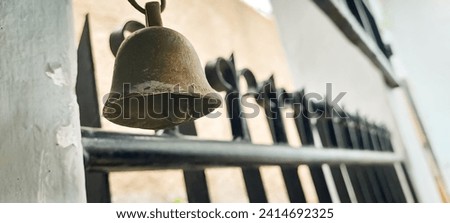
x=110, y=151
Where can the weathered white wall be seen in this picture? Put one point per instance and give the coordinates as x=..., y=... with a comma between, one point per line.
x=421, y=34
x=40, y=146
x=420, y=170
x=318, y=53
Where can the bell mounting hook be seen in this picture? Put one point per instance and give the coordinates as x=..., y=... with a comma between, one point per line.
x=142, y=10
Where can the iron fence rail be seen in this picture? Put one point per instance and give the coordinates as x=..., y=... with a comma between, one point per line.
x=357, y=163
x=110, y=151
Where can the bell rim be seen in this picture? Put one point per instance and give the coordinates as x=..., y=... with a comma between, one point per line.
x=130, y=95
x=158, y=125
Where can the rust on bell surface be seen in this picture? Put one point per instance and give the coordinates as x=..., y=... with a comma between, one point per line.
x=158, y=81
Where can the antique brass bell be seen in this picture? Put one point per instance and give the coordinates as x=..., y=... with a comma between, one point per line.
x=158, y=81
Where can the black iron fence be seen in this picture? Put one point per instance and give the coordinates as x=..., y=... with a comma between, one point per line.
x=350, y=159
x=365, y=18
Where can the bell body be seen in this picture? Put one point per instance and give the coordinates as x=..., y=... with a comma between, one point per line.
x=158, y=82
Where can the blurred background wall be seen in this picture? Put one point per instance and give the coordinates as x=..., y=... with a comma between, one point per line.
x=420, y=35
x=318, y=53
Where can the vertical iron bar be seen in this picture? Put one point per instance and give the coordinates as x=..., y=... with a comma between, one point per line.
x=359, y=182
x=384, y=143
x=389, y=172
x=328, y=138
x=97, y=183
x=366, y=172
x=409, y=182
x=375, y=32
x=271, y=105
x=222, y=75
x=383, y=180
x=195, y=180
x=303, y=124
x=367, y=21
